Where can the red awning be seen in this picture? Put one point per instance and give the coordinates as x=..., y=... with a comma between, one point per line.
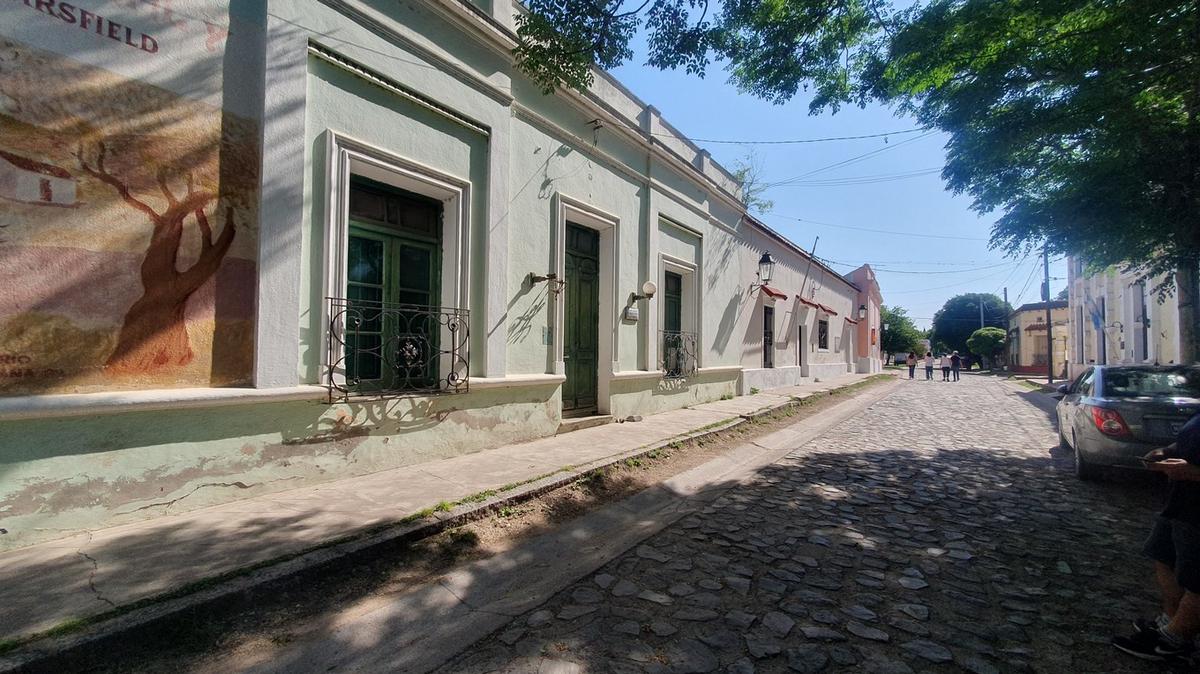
x=777, y=294
x=818, y=305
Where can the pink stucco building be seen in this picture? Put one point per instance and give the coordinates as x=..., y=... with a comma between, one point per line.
x=867, y=319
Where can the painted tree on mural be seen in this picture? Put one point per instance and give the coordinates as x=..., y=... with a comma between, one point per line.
x=154, y=332
x=147, y=277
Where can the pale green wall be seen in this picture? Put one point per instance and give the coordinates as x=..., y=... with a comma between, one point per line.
x=74, y=473
x=678, y=243
x=652, y=396
x=343, y=103
x=78, y=473
x=542, y=167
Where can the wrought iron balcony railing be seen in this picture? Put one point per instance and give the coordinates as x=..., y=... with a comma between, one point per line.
x=678, y=354
x=381, y=349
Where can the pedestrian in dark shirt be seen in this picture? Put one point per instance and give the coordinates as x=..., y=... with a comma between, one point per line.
x=955, y=364
x=1174, y=545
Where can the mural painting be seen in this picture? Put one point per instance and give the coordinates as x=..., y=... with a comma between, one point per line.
x=127, y=231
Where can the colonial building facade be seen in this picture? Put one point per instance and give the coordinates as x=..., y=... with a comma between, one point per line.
x=1028, y=349
x=313, y=240
x=1117, y=319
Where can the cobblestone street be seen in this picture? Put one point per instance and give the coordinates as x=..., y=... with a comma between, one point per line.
x=938, y=530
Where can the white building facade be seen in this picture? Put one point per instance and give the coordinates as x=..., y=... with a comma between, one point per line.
x=394, y=249
x=1116, y=319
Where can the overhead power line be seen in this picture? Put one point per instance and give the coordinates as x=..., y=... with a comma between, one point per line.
x=847, y=162
x=964, y=263
x=914, y=271
x=878, y=231
x=952, y=285
x=1014, y=270
x=830, y=139
x=1032, y=271
x=881, y=264
x=864, y=180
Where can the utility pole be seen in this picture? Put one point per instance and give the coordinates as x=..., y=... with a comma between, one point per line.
x=1007, y=318
x=812, y=254
x=981, y=326
x=1049, y=325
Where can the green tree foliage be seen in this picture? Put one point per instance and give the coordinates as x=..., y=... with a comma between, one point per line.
x=954, y=323
x=986, y=342
x=902, y=335
x=1077, y=120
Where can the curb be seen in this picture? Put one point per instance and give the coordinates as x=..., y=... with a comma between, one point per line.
x=210, y=590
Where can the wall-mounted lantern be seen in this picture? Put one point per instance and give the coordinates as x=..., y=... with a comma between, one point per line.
x=766, y=267
x=555, y=284
x=648, y=290
x=862, y=311
x=631, y=311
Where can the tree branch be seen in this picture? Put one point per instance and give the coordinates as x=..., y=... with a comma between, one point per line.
x=211, y=254
x=206, y=241
x=100, y=173
x=166, y=188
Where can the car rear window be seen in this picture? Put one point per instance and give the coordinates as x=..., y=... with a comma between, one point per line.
x=1133, y=383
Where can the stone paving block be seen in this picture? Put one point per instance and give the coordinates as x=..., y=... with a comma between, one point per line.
x=936, y=530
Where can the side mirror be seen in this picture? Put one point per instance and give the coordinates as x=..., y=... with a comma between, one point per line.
x=1063, y=390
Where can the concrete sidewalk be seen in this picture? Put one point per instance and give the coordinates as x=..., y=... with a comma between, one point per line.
x=95, y=572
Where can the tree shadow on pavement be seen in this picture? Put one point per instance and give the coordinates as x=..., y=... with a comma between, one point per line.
x=896, y=560
x=910, y=558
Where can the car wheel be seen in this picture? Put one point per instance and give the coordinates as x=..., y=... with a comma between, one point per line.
x=1083, y=469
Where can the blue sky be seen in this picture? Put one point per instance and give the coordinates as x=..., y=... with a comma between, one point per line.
x=916, y=272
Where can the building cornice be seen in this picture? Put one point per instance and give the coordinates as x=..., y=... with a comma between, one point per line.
x=490, y=33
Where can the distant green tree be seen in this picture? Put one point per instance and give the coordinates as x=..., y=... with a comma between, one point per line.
x=959, y=317
x=902, y=335
x=1063, y=295
x=987, y=342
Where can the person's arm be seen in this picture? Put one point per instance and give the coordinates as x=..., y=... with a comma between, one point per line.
x=1177, y=469
x=1160, y=453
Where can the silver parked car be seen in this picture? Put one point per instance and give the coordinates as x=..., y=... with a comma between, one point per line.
x=1111, y=415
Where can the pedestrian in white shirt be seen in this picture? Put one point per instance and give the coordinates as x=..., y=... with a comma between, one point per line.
x=945, y=367
x=928, y=366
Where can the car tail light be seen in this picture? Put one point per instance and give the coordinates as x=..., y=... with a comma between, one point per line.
x=1109, y=422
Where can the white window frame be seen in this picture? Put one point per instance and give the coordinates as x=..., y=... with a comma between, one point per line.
x=817, y=335
x=347, y=156
x=690, y=318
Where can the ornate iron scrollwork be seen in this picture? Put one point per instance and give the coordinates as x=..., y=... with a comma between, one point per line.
x=387, y=349
x=678, y=354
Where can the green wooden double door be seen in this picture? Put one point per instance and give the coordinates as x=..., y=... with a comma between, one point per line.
x=581, y=324
x=393, y=266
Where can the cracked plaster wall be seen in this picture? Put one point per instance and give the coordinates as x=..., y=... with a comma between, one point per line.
x=71, y=474
x=652, y=396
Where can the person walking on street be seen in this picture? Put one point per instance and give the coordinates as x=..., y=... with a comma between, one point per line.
x=928, y=366
x=911, y=361
x=955, y=364
x=1174, y=547
x=945, y=363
